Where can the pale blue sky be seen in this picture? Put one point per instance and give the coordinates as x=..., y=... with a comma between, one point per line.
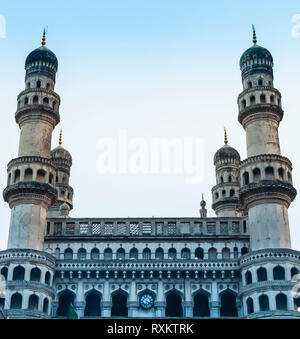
x=156, y=68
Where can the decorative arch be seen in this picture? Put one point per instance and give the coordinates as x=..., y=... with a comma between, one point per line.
x=92, y=303
x=68, y=254
x=35, y=274
x=228, y=304
x=119, y=304
x=65, y=299
x=19, y=273
x=201, y=304
x=174, y=307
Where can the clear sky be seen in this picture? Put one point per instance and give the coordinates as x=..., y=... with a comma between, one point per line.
x=155, y=69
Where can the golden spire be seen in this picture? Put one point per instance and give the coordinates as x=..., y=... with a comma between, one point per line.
x=60, y=138
x=202, y=196
x=226, y=137
x=44, y=38
x=254, y=36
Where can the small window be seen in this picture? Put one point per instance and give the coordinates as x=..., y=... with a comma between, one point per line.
x=252, y=100
x=260, y=82
x=38, y=84
x=250, y=85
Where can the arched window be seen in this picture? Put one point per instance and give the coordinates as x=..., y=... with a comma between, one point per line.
x=226, y=253
x=246, y=179
x=46, y=101
x=28, y=85
x=159, y=254
x=4, y=273
x=186, y=254
x=252, y=100
x=35, y=99
x=147, y=254
x=35, y=274
x=244, y=104
x=172, y=253
x=28, y=175
x=134, y=254
x=46, y=305
x=250, y=84
x=232, y=193
x=281, y=174
x=223, y=193
x=38, y=84
x=281, y=302
x=260, y=82
x=119, y=305
x=222, y=180
x=41, y=176
x=16, y=301
x=26, y=101
x=92, y=308
x=174, y=306
x=294, y=273
x=248, y=278
x=228, y=305
x=250, y=306
x=212, y=254
x=272, y=99
x=244, y=251
x=201, y=306
x=230, y=178
x=264, y=303
x=65, y=300
x=269, y=173
x=256, y=175
x=68, y=254
x=51, y=179
x=217, y=196
x=48, y=86
x=262, y=99
x=17, y=176
x=19, y=273
x=108, y=254
x=199, y=253
x=33, y=303
x=95, y=254
x=262, y=274
x=236, y=253
x=81, y=254
x=289, y=177
x=47, y=278
x=120, y=254
x=279, y=273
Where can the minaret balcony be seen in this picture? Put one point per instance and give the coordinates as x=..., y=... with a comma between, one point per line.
x=260, y=111
x=37, y=111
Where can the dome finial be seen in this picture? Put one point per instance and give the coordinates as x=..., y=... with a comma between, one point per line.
x=60, y=138
x=44, y=38
x=254, y=35
x=225, y=136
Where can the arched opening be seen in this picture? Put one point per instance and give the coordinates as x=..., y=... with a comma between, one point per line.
x=272, y=99
x=26, y=101
x=246, y=179
x=51, y=179
x=230, y=179
x=250, y=306
x=228, y=305
x=16, y=301
x=262, y=99
x=252, y=100
x=93, y=301
x=48, y=86
x=294, y=273
x=46, y=305
x=217, y=196
x=289, y=177
x=201, y=306
x=41, y=176
x=33, y=303
x=159, y=254
x=46, y=101
x=236, y=253
x=28, y=85
x=35, y=274
x=47, y=278
x=244, y=251
x=35, y=99
x=256, y=175
x=28, y=175
x=119, y=305
x=172, y=254
x=244, y=104
x=147, y=254
x=279, y=273
x=281, y=302
x=17, y=176
x=108, y=254
x=212, y=254
x=134, y=254
x=199, y=253
x=68, y=254
x=95, y=254
x=250, y=85
x=186, y=254
x=223, y=193
x=81, y=254
x=19, y=273
x=4, y=272
x=65, y=300
x=260, y=82
x=120, y=254
x=281, y=174
x=232, y=193
x=38, y=84
x=269, y=173
x=174, y=306
x=262, y=274
x=226, y=253
x=248, y=278
x=222, y=180
x=264, y=303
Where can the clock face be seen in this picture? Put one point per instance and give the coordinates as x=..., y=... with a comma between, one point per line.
x=146, y=301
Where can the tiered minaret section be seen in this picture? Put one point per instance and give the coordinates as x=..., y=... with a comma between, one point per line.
x=266, y=176
x=31, y=177
x=226, y=192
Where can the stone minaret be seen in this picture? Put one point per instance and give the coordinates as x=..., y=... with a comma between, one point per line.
x=266, y=176
x=31, y=177
x=226, y=192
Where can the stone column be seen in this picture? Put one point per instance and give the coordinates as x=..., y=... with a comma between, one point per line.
x=132, y=303
x=215, y=304
x=106, y=301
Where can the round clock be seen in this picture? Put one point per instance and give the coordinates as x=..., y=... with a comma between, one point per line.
x=146, y=301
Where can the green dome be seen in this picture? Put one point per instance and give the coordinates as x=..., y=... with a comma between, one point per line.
x=256, y=52
x=42, y=54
